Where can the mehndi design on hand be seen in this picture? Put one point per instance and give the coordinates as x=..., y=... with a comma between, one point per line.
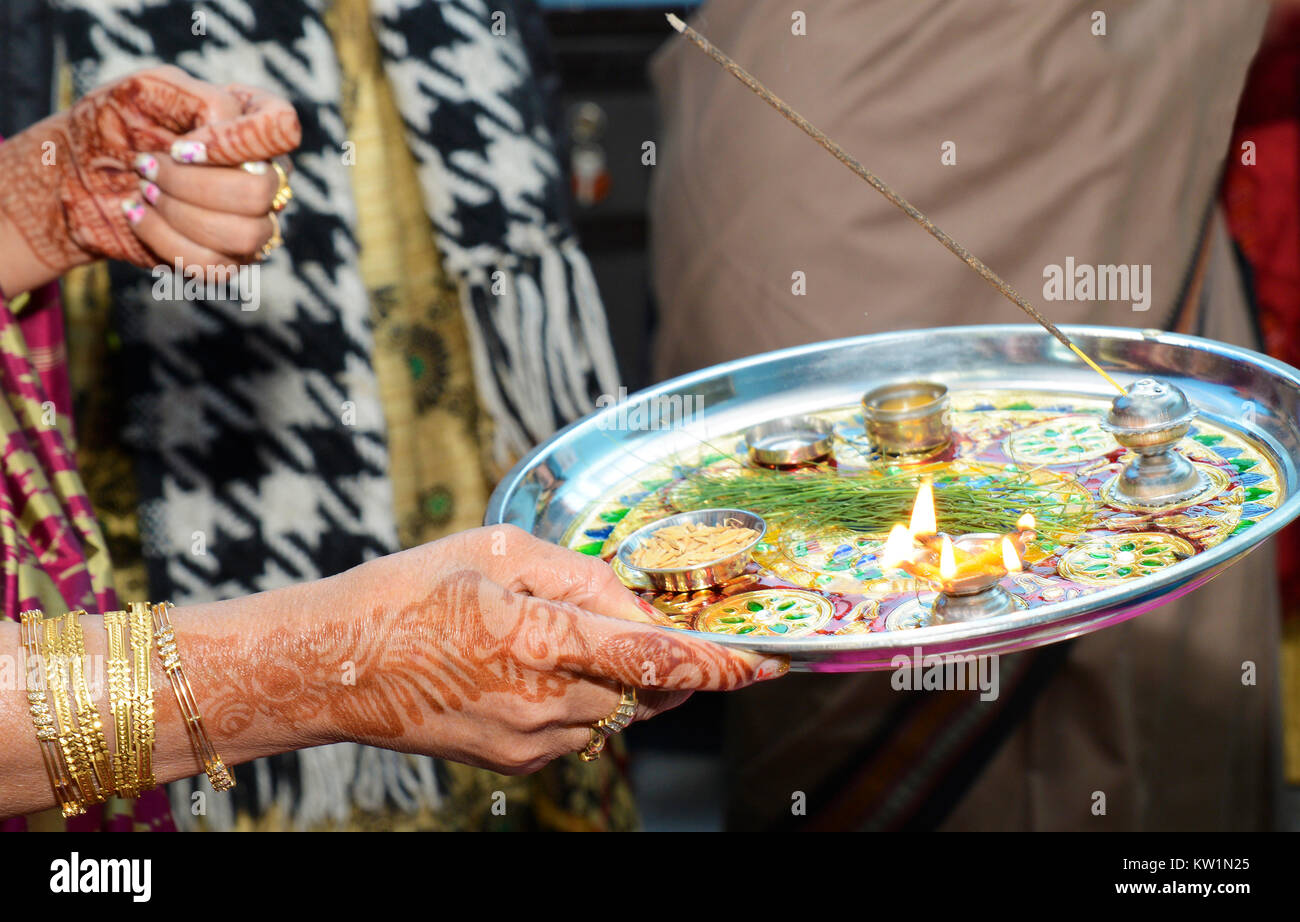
x=71, y=179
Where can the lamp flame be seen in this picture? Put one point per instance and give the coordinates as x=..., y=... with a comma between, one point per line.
x=1026, y=522
x=923, y=520
x=897, y=549
x=1010, y=559
x=947, y=562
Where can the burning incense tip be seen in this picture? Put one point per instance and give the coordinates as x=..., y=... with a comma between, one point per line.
x=902, y=204
x=1097, y=368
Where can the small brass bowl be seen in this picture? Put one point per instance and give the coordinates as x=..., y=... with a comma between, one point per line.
x=703, y=575
x=908, y=417
x=789, y=440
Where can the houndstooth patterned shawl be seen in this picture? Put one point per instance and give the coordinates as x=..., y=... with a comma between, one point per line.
x=259, y=436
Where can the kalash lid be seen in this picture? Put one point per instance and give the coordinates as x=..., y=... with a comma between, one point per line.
x=1149, y=405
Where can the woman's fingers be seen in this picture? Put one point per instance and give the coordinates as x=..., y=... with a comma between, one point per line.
x=199, y=123
x=613, y=638
x=606, y=697
x=217, y=188
x=653, y=703
x=666, y=659
x=570, y=739
x=266, y=127
x=548, y=571
x=170, y=245
x=564, y=740
x=160, y=103
x=628, y=653
x=593, y=699
x=541, y=732
x=220, y=232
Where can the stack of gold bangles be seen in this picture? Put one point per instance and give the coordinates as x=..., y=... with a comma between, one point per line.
x=72, y=737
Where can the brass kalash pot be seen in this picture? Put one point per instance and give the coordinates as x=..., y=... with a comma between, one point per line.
x=1151, y=419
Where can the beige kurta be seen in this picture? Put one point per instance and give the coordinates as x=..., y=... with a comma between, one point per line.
x=1103, y=148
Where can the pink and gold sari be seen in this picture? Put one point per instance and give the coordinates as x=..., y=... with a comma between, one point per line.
x=52, y=550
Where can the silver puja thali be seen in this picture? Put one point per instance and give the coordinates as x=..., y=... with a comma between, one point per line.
x=1021, y=407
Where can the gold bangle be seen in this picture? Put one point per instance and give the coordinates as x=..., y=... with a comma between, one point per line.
x=47, y=732
x=143, y=727
x=90, y=728
x=58, y=671
x=120, y=702
x=165, y=635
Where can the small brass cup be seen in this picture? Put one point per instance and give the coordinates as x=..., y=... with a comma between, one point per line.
x=908, y=417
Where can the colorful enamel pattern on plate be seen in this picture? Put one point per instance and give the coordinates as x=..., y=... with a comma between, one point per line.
x=1019, y=410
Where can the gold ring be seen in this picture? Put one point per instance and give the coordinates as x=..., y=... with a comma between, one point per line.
x=622, y=716
x=595, y=745
x=283, y=192
x=606, y=727
x=276, y=238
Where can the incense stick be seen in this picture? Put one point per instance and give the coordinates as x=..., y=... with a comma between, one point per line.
x=880, y=186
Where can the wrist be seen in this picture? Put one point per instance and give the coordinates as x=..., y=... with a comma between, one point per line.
x=36, y=245
x=264, y=670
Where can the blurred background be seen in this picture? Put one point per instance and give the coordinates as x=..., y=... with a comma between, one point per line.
x=602, y=49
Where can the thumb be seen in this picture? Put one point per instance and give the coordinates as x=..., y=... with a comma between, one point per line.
x=547, y=571
x=267, y=127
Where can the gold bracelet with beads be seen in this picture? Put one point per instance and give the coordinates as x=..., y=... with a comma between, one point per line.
x=59, y=671
x=90, y=727
x=165, y=635
x=142, y=712
x=121, y=701
x=35, y=658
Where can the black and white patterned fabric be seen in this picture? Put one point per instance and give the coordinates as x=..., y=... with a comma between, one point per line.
x=463, y=75
x=259, y=436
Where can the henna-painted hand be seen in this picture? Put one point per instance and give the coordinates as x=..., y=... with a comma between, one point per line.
x=74, y=190
x=525, y=645
x=490, y=647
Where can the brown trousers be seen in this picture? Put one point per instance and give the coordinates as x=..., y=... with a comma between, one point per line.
x=1106, y=148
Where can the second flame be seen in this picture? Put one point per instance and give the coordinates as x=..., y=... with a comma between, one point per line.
x=923, y=518
x=947, y=561
x=1010, y=559
x=897, y=549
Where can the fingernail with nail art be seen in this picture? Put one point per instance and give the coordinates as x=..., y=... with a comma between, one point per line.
x=146, y=165
x=133, y=210
x=149, y=191
x=189, y=151
x=772, y=668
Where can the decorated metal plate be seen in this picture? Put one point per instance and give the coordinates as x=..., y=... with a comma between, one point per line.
x=1027, y=435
